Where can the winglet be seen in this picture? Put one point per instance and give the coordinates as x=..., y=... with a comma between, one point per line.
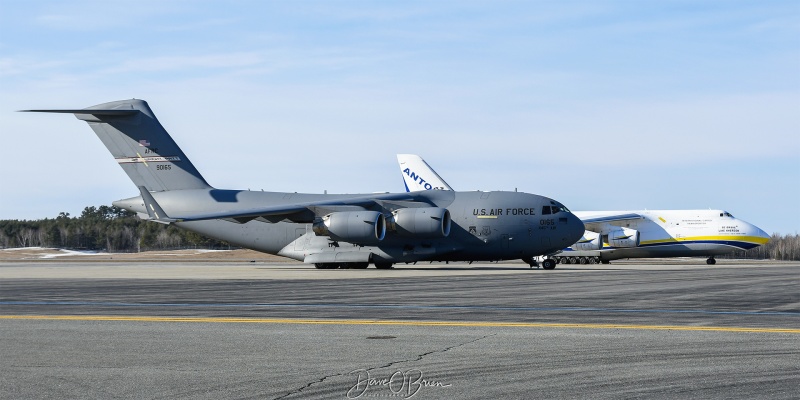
x=154, y=210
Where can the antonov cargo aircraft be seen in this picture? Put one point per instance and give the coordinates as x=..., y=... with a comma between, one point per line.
x=330, y=231
x=612, y=235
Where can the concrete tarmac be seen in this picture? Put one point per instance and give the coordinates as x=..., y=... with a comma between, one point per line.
x=669, y=329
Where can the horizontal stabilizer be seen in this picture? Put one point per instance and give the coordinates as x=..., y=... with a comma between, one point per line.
x=114, y=113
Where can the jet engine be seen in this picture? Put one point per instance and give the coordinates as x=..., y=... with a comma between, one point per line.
x=624, y=237
x=352, y=226
x=425, y=222
x=589, y=241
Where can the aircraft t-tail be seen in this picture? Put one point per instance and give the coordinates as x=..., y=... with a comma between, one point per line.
x=612, y=235
x=328, y=230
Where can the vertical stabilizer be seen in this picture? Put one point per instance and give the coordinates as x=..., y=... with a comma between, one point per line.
x=141, y=146
x=418, y=175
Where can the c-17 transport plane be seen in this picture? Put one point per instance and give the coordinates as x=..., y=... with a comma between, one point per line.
x=612, y=235
x=327, y=230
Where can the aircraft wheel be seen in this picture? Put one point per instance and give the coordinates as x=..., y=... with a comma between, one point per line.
x=383, y=265
x=360, y=265
x=605, y=261
x=583, y=260
x=320, y=266
x=573, y=260
x=711, y=261
x=549, y=264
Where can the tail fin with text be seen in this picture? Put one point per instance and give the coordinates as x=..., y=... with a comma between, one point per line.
x=418, y=175
x=141, y=146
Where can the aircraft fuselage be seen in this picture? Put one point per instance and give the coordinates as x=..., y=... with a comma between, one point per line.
x=485, y=226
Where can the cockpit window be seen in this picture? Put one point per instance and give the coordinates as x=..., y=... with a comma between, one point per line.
x=727, y=214
x=554, y=209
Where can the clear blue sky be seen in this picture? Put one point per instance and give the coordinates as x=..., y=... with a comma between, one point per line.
x=602, y=105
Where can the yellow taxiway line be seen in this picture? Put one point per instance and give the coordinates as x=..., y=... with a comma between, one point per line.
x=298, y=321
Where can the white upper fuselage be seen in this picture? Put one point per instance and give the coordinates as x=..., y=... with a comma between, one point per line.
x=676, y=232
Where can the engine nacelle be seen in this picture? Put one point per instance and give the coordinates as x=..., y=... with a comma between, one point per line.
x=425, y=222
x=352, y=226
x=623, y=237
x=589, y=241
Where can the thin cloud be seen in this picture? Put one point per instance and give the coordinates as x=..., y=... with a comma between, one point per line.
x=189, y=62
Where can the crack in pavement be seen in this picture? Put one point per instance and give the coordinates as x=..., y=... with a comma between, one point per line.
x=418, y=358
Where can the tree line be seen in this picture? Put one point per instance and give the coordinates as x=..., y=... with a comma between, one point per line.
x=106, y=228
x=786, y=248
x=114, y=229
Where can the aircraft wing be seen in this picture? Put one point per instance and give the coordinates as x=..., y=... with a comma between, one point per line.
x=596, y=223
x=279, y=212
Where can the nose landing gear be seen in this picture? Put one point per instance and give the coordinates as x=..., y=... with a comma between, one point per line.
x=549, y=264
x=711, y=261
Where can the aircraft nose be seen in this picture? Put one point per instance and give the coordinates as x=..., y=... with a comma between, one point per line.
x=576, y=228
x=760, y=233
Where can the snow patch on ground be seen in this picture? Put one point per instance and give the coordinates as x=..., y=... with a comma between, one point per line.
x=47, y=253
x=67, y=253
x=24, y=248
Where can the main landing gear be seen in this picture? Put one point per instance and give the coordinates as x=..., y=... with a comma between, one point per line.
x=711, y=261
x=580, y=260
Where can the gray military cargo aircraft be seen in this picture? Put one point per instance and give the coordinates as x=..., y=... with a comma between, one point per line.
x=327, y=230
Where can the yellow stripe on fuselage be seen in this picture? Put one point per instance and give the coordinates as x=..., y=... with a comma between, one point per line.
x=729, y=238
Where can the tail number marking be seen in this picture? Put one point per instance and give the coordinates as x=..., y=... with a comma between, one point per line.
x=547, y=223
x=145, y=160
